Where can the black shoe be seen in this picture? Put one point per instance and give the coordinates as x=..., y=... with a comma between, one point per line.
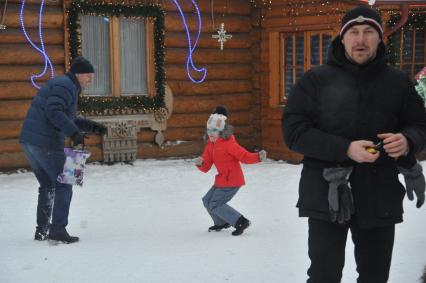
x=63, y=237
x=40, y=235
x=217, y=228
x=241, y=225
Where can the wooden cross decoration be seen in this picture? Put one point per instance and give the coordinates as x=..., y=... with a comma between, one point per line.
x=221, y=35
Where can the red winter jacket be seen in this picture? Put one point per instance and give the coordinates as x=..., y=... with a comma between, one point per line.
x=226, y=155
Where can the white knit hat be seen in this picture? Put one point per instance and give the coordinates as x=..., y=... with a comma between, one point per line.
x=216, y=121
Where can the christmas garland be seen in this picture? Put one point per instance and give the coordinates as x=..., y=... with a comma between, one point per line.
x=416, y=21
x=126, y=104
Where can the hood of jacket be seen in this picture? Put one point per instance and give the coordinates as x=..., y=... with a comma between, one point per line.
x=336, y=57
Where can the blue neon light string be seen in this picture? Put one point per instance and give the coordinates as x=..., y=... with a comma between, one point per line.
x=42, y=50
x=189, y=61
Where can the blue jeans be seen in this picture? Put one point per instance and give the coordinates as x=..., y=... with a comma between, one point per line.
x=215, y=202
x=54, y=198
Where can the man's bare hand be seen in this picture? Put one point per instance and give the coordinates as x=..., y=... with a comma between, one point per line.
x=394, y=145
x=357, y=151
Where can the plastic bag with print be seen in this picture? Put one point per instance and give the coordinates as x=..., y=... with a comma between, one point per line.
x=73, y=172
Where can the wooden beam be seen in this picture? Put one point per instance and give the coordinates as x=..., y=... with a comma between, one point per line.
x=52, y=16
x=233, y=24
x=210, y=87
x=221, y=7
x=237, y=71
x=23, y=54
x=207, y=56
x=22, y=73
x=179, y=39
x=15, y=35
x=193, y=104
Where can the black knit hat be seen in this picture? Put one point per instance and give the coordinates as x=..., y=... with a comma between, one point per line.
x=361, y=15
x=220, y=110
x=81, y=65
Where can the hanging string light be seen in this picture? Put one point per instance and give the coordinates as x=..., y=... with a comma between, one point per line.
x=191, y=48
x=42, y=50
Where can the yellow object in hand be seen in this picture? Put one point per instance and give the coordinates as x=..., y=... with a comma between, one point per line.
x=374, y=149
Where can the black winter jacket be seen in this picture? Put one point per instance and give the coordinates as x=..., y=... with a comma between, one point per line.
x=340, y=102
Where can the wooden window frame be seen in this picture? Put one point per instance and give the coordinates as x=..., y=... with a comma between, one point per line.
x=115, y=60
x=277, y=84
x=412, y=62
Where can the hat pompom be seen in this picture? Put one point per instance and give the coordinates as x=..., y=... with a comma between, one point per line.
x=221, y=110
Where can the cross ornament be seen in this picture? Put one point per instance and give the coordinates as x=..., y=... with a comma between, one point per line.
x=221, y=35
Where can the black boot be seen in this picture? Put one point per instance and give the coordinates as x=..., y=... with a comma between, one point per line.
x=217, y=228
x=40, y=234
x=241, y=225
x=63, y=237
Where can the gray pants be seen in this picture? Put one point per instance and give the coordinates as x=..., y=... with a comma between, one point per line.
x=215, y=202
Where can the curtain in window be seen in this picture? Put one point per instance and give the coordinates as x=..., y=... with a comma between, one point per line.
x=133, y=57
x=95, y=47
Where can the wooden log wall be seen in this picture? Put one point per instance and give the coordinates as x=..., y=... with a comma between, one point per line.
x=18, y=61
x=290, y=16
x=232, y=79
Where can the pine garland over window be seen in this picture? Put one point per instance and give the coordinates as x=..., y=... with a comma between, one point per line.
x=127, y=104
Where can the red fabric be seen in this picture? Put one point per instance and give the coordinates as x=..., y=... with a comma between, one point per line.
x=226, y=155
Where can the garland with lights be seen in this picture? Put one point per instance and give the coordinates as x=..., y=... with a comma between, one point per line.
x=127, y=104
x=415, y=21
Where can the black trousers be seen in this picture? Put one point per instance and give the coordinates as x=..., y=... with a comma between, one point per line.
x=327, y=242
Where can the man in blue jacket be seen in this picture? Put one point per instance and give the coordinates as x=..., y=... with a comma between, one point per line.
x=49, y=120
x=356, y=120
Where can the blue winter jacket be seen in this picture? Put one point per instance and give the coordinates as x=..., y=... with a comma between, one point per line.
x=52, y=114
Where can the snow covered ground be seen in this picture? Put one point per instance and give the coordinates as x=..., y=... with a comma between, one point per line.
x=146, y=223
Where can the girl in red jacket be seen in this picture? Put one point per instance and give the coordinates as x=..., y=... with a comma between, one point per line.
x=225, y=153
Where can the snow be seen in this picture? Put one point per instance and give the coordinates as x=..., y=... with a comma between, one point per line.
x=146, y=223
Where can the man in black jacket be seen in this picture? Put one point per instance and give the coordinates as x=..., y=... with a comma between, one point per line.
x=356, y=120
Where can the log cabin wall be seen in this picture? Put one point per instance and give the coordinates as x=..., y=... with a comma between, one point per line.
x=232, y=78
x=18, y=61
x=229, y=82
x=282, y=17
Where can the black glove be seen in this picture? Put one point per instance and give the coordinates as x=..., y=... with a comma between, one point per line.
x=78, y=138
x=98, y=128
x=414, y=181
x=340, y=200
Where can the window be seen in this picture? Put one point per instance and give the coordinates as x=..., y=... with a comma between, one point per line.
x=121, y=50
x=411, y=50
x=298, y=52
